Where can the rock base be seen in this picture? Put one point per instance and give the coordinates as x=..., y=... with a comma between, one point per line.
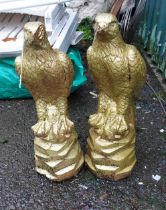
x=111, y=159
x=58, y=161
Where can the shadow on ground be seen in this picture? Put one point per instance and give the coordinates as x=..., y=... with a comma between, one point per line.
x=22, y=188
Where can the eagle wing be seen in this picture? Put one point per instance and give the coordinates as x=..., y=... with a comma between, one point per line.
x=137, y=67
x=67, y=67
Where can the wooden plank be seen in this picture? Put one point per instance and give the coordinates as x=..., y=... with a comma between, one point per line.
x=8, y=6
x=63, y=31
x=67, y=29
x=24, y=20
x=55, y=34
x=116, y=7
x=3, y=16
x=68, y=38
x=40, y=11
x=52, y=11
x=7, y=48
x=13, y=25
x=4, y=1
x=51, y=23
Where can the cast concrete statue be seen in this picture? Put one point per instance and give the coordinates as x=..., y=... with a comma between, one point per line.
x=119, y=72
x=48, y=75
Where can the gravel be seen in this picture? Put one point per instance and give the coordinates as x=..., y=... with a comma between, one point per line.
x=22, y=188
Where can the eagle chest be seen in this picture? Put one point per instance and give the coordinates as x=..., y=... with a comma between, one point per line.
x=41, y=68
x=109, y=65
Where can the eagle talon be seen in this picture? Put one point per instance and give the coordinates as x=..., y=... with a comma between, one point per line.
x=63, y=127
x=97, y=120
x=41, y=129
x=116, y=128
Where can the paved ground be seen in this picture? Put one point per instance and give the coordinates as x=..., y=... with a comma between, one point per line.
x=23, y=189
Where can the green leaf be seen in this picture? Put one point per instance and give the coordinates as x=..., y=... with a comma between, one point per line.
x=86, y=26
x=3, y=141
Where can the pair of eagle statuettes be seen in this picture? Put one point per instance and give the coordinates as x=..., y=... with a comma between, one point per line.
x=119, y=72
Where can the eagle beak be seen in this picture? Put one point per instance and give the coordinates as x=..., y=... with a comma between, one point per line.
x=100, y=27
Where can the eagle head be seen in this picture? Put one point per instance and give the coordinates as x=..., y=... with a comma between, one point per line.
x=35, y=34
x=106, y=26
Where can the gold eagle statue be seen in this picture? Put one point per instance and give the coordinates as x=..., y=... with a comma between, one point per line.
x=119, y=72
x=48, y=74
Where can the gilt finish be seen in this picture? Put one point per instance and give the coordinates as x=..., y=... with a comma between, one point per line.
x=48, y=75
x=119, y=72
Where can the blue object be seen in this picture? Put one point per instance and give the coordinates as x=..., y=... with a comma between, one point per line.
x=9, y=80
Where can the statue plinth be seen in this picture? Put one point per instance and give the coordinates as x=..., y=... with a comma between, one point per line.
x=58, y=155
x=58, y=161
x=111, y=159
